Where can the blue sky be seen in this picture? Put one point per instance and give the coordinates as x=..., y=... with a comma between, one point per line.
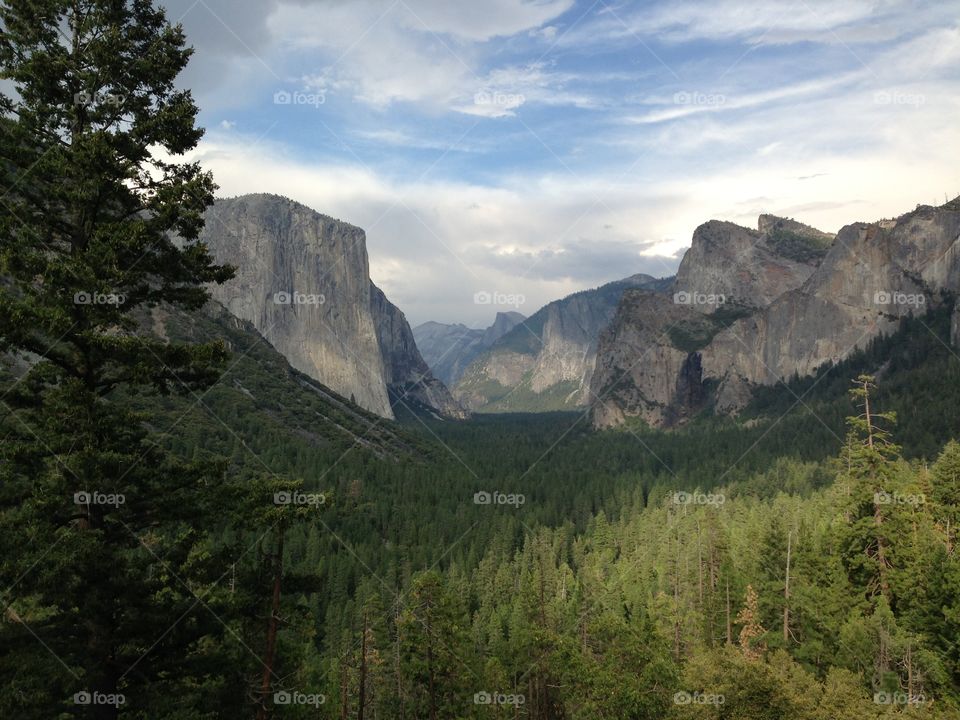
x=538, y=148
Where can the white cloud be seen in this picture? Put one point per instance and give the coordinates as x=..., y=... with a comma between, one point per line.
x=483, y=20
x=769, y=22
x=829, y=135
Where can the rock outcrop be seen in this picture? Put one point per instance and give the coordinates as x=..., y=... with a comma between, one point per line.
x=303, y=281
x=449, y=348
x=748, y=268
x=547, y=361
x=408, y=378
x=793, y=300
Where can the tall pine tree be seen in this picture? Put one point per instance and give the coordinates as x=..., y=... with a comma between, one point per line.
x=108, y=580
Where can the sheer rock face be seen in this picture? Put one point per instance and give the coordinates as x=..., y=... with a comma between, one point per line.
x=955, y=326
x=791, y=315
x=303, y=281
x=408, y=378
x=547, y=361
x=638, y=369
x=449, y=348
x=748, y=268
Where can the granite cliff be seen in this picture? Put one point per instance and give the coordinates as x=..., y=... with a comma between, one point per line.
x=303, y=281
x=752, y=307
x=408, y=378
x=546, y=361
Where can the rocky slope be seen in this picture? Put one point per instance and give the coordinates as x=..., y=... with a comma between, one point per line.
x=794, y=301
x=303, y=281
x=449, y=349
x=408, y=378
x=546, y=362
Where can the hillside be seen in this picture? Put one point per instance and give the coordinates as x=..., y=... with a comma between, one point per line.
x=546, y=362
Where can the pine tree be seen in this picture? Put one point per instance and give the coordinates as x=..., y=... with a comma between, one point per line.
x=946, y=492
x=871, y=458
x=434, y=667
x=751, y=630
x=111, y=579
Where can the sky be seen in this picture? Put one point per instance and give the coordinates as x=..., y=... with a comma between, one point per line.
x=501, y=154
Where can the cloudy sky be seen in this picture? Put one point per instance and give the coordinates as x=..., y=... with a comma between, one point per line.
x=536, y=148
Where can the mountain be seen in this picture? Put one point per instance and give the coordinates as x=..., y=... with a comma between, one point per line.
x=754, y=307
x=448, y=349
x=408, y=378
x=303, y=281
x=546, y=361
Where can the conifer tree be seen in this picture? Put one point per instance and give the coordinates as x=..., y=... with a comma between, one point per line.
x=751, y=630
x=110, y=576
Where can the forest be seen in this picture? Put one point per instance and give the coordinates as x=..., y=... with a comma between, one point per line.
x=191, y=530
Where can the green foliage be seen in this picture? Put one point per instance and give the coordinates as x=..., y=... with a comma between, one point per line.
x=643, y=575
x=801, y=247
x=105, y=534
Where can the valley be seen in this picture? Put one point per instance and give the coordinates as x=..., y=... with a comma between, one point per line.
x=452, y=361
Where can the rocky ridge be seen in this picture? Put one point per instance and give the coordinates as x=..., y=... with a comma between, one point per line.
x=449, y=348
x=792, y=301
x=547, y=361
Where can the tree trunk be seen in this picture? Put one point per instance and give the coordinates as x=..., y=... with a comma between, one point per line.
x=272, y=625
x=729, y=625
x=362, y=690
x=786, y=593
